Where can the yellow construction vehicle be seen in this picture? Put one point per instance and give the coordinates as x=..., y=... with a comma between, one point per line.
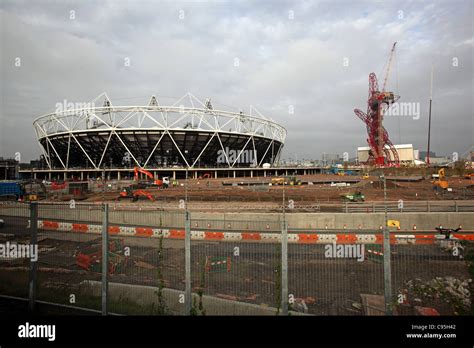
x=278, y=181
x=286, y=180
x=441, y=182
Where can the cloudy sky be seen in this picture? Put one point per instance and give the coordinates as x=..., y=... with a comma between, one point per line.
x=312, y=57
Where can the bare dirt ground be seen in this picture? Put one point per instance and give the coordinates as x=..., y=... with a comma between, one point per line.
x=212, y=192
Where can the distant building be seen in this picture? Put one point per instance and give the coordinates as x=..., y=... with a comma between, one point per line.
x=406, y=154
x=331, y=159
x=34, y=164
x=8, y=169
x=424, y=153
x=439, y=160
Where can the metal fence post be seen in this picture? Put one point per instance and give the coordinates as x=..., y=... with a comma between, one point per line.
x=187, y=264
x=387, y=269
x=33, y=276
x=105, y=257
x=284, y=268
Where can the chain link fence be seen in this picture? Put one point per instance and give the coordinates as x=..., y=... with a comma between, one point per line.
x=325, y=280
x=68, y=262
x=235, y=266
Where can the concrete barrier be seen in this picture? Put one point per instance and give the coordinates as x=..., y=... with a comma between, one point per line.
x=145, y=296
x=255, y=221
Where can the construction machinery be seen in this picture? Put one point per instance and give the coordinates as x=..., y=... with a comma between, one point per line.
x=382, y=152
x=345, y=172
x=292, y=180
x=135, y=192
x=286, y=180
x=278, y=181
x=355, y=197
x=154, y=182
x=11, y=190
x=441, y=182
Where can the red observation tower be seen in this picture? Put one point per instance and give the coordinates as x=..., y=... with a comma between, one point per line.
x=382, y=152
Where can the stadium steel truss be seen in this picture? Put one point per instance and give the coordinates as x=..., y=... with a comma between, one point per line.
x=188, y=133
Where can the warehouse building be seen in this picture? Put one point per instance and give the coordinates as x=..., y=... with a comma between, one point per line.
x=406, y=154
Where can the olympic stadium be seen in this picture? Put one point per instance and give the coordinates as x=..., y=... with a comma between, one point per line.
x=189, y=133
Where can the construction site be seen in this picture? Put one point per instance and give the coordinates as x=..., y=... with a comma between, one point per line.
x=192, y=218
x=263, y=193
x=195, y=172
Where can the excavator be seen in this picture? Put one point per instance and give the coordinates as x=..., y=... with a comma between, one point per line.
x=441, y=182
x=135, y=193
x=137, y=170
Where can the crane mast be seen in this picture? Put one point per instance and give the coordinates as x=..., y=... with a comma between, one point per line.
x=387, y=72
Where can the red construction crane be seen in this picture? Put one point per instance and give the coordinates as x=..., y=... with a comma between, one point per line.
x=382, y=152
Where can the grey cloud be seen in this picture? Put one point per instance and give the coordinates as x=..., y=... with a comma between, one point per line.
x=282, y=62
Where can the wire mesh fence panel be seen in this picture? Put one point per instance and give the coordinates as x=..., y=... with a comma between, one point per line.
x=14, y=209
x=137, y=217
x=70, y=211
x=432, y=278
x=236, y=264
x=147, y=275
x=235, y=277
x=14, y=238
x=229, y=223
x=333, y=278
x=70, y=253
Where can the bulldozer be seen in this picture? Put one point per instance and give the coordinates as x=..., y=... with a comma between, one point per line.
x=441, y=182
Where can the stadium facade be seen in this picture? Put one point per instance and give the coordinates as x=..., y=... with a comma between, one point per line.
x=188, y=134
